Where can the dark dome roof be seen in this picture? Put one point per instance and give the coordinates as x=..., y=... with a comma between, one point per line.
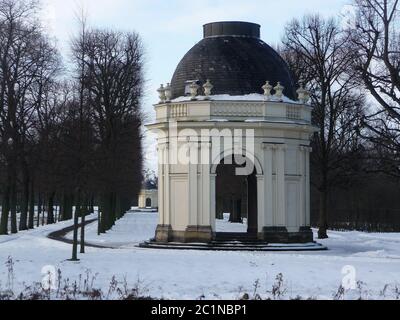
x=235, y=60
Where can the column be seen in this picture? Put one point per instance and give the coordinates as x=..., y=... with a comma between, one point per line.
x=205, y=184
x=193, y=184
x=280, y=178
x=303, y=186
x=167, y=185
x=268, y=185
x=308, y=184
x=160, y=151
x=260, y=203
x=163, y=232
x=213, y=187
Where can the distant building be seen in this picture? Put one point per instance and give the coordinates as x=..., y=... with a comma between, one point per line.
x=148, y=199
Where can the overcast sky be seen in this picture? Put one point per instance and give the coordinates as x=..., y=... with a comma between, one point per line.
x=169, y=28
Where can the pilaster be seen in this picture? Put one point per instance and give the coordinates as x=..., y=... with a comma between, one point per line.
x=308, y=186
x=281, y=188
x=193, y=184
x=303, y=186
x=167, y=186
x=205, y=184
x=161, y=195
x=268, y=185
x=213, y=187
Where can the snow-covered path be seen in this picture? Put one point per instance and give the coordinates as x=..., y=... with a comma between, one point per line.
x=191, y=274
x=134, y=228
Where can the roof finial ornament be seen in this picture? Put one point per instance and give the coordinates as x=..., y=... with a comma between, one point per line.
x=161, y=92
x=207, y=88
x=279, y=91
x=194, y=87
x=168, y=93
x=307, y=96
x=301, y=93
x=267, y=90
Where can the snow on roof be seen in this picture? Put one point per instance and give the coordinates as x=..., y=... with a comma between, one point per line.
x=247, y=97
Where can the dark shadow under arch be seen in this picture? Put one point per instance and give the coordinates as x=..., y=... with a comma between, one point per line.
x=237, y=195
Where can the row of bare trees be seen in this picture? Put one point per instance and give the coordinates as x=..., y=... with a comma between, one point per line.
x=68, y=140
x=29, y=64
x=353, y=72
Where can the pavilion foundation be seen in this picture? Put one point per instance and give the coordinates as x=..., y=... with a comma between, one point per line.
x=281, y=235
x=192, y=234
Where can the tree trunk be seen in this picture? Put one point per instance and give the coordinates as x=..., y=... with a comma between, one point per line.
x=102, y=209
x=118, y=208
x=66, y=207
x=50, y=209
x=219, y=208
x=39, y=210
x=323, y=215
x=113, y=213
x=13, y=205
x=23, y=220
x=43, y=211
x=83, y=212
x=99, y=227
x=31, y=217
x=106, y=209
x=5, y=212
x=75, y=236
x=91, y=206
x=235, y=216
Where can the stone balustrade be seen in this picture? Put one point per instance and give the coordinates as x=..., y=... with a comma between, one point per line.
x=209, y=110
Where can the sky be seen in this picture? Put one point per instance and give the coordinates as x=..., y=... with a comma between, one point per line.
x=169, y=28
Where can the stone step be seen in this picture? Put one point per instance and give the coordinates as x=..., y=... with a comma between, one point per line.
x=233, y=247
x=238, y=243
x=229, y=236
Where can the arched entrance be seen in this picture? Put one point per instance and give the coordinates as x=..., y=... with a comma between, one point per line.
x=236, y=201
x=148, y=203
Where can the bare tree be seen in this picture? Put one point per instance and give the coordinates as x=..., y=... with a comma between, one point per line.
x=150, y=179
x=115, y=83
x=375, y=38
x=315, y=49
x=25, y=54
x=79, y=58
x=89, y=126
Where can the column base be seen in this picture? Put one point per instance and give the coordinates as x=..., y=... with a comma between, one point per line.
x=281, y=235
x=192, y=234
x=163, y=233
x=201, y=234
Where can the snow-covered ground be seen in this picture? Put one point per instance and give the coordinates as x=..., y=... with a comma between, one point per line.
x=373, y=258
x=134, y=228
x=226, y=226
x=137, y=227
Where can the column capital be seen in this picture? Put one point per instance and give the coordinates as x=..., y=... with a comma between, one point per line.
x=205, y=144
x=281, y=147
x=163, y=146
x=305, y=148
x=273, y=146
x=266, y=146
x=194, y=144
